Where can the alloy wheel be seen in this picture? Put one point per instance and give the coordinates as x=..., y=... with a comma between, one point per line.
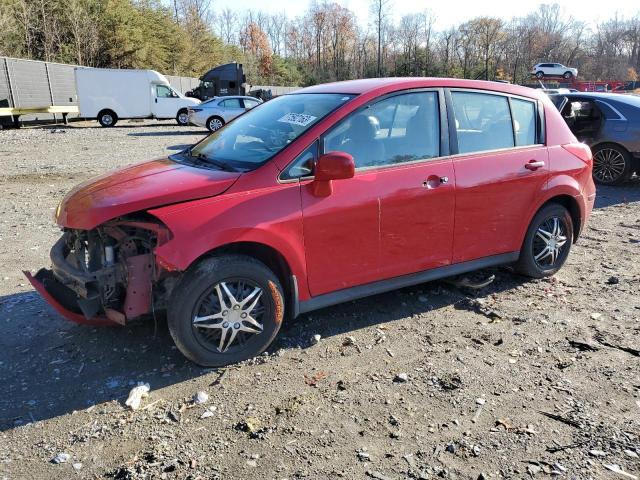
x=549, y=242
x=183, y=118
x=215, y=124
x=228, y=315
x=107, y=120
x=608, y=165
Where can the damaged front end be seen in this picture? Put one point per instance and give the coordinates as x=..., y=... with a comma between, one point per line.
x=107, y=275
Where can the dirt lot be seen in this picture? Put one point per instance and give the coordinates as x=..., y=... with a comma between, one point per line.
x=520, y=379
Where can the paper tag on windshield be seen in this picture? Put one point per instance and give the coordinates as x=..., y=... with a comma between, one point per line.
x=301, y=119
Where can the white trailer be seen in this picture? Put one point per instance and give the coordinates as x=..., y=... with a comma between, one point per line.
x=108, y=95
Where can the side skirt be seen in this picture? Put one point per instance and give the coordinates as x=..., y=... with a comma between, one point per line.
x=375, y=288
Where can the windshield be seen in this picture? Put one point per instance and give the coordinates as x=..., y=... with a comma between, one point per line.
x=265, y=130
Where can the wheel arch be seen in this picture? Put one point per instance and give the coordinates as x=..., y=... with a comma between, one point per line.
x=104, y=110
x=266, y=254
x=570, y=203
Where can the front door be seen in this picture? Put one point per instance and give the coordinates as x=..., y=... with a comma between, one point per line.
x=395, y=216
x=501, y=170
x=166, y=102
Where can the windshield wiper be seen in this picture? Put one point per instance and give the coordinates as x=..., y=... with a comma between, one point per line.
x=201, y=158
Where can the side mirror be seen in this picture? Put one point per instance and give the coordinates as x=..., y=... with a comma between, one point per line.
x=331, y=166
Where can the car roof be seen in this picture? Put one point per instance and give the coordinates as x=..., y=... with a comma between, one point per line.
x=385, y=85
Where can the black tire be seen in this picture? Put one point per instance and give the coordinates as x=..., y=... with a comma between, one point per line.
x=215, y=123
x=196, y=296
x=567, y=75
x=182, y=117
x=107, y=118
x=539, y=74
x=612, y=164
x=534, y=241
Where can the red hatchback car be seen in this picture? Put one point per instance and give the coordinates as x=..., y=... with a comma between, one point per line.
x=329, y=194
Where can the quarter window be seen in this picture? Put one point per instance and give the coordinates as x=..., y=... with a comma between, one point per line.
x=398, y=129
x=483, y=121
x=524, y=121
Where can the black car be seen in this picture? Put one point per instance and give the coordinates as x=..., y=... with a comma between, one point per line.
x=610, y=124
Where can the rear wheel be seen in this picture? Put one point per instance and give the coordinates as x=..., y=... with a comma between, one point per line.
x=611, y=164
x=539, y=74
x=215, y=123
x=182, y=117
x=226, y=310
x=547, y=243
x=107, y=118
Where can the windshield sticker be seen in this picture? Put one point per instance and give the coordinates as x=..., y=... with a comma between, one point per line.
x=297, y=119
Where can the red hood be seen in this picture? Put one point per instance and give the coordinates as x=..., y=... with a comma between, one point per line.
x=142, y=186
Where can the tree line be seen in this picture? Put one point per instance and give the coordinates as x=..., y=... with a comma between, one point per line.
x=326, y=43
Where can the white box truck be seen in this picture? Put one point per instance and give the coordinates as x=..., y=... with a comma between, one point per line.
x=109, y=94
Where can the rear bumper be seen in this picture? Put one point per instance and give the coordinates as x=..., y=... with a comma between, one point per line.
x=62, y=299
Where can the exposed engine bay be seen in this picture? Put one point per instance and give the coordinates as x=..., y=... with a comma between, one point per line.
x=109, y=272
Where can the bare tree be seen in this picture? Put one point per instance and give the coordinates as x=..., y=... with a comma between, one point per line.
x=380, y=11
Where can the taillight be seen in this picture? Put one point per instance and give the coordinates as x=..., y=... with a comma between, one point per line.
x=580, y=150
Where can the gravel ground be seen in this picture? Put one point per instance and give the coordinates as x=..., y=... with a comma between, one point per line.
x=520, y=379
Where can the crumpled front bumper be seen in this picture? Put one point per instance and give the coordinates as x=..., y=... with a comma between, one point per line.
x=61, y=299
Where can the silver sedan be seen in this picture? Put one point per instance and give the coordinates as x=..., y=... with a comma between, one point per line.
x=214, y=113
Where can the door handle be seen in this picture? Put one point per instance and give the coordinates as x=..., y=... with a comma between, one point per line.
x=434, y=181
x=534, y=165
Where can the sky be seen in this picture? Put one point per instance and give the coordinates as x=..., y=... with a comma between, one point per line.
x=448, y=13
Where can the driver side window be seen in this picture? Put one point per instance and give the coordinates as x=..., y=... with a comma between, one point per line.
x=398, y=129
x=163, y=91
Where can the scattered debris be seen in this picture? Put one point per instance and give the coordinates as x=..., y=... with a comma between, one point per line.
x=200, y=397
x=466, y=282
x=136, y=395
x=313, y=380
x=61, y=458
x=560, y=418
x=616, y=469
x=401, y=378
x=316, y=339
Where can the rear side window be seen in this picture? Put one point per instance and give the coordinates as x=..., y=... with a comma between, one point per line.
x=483, y=121
x=524, y=121
x=232, y=103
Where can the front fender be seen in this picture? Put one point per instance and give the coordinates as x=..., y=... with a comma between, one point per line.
x=270, y=216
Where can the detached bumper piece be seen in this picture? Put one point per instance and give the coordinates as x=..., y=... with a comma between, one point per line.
x=63, y=299
x=87, y=289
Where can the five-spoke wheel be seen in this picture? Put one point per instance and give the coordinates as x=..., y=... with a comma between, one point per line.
x=547, y=242
x=225, y=310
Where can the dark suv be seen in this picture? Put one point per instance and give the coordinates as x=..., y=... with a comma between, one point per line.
x=610, y=125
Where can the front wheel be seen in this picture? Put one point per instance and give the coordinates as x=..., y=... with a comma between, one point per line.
x=611, y=165
x=226, y=310
x=539, y=74
x=567, y=75
x=547, y=243
x=182, y=118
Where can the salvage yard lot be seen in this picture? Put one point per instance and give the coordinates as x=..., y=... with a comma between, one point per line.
x=520, y=379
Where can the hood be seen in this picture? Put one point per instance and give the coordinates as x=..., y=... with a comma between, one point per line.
x=139, y=187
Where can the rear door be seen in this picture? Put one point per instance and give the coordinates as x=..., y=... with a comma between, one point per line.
x=231, y=108
x=501, y=167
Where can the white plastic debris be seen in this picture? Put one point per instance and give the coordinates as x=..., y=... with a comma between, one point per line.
x=200, y=397
x=206, y=414
x=136, y=395
x=61, y=458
